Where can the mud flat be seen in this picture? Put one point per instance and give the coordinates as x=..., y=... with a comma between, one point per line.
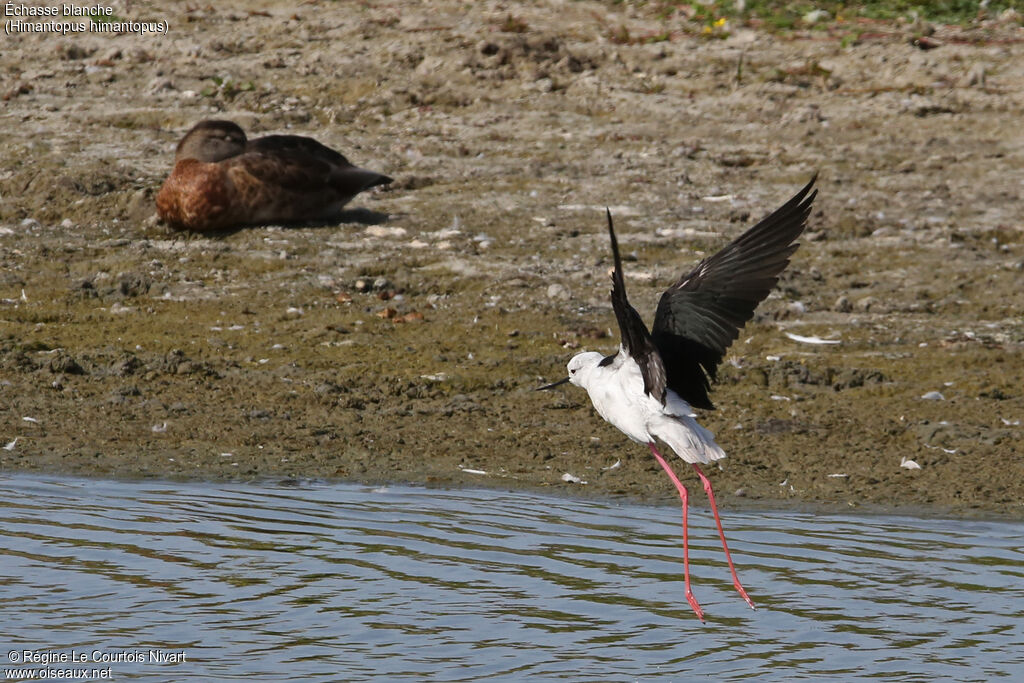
x=404, y=343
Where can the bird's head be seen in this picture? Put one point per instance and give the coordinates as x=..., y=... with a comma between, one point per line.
x=211, y=140
x=579, y=367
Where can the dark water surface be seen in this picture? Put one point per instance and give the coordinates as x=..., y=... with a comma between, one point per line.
x=343, y=582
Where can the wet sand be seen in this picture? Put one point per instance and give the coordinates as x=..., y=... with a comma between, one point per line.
x=405, y=341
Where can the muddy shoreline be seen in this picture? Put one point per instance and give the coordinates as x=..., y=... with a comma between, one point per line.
x=404, y=343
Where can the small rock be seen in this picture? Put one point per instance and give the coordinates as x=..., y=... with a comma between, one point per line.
x=139, y=55
x=126, y=366
x=21, y=88
x=933, y=396
x=70, y=51
x=66, y=365
x=544, y=85
x=381, y=283
x=559, y=292
x=869, y=304
x=158, y=85
x=1010, y=15
x=924, y=42
x=842, y=305
x=816, y=15
x=117, y=308
x=383, y=231
x=795, y=309
x=976, y=76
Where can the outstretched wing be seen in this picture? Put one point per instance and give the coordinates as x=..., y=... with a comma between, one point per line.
x=636, y=340
x=700, y=315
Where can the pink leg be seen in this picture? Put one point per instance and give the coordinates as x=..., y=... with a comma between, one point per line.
x=686, y=546
x=721, y=534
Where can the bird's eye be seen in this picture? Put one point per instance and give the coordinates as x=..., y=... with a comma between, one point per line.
x=573, y=371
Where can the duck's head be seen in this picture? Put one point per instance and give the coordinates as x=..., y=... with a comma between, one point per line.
x=211, y=140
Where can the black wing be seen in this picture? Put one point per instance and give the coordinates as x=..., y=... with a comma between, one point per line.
x=699, y=316
x=636, y=340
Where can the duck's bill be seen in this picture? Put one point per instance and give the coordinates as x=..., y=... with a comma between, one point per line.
x=553, y=385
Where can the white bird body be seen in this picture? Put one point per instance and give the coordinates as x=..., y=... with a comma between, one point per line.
x=649, y=387
x=617, y=391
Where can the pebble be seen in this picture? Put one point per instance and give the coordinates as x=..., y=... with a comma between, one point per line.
x=976, y=76
x=933, y=396
x=868, y=304
x=796, y=308
x=559, y=292
x=842, y=305
x=382, y=231
x=159, y=85
x=816, y=15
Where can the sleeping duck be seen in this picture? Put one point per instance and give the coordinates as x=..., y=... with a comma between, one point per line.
x=223, y=180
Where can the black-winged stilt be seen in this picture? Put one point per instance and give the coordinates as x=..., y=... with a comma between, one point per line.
x=648, y=388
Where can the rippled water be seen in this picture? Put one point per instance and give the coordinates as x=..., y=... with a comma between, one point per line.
x=340, y=582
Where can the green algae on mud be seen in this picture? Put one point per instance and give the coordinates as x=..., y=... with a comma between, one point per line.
x=405, y=343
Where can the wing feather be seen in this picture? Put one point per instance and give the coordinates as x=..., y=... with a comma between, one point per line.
x=636, y=340
x=701, y=314
x=302, y=163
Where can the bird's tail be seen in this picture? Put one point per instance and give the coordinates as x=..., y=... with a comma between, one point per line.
x=689, y=440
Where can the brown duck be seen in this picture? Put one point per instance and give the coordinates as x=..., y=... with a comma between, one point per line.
x=223, y=180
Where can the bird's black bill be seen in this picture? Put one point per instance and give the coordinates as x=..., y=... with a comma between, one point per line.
x=553, y=385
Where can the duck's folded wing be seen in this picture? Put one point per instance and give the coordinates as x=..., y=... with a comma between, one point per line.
x=700, y=315
x=300, y=163
x=298, y=145
x=282, y=170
